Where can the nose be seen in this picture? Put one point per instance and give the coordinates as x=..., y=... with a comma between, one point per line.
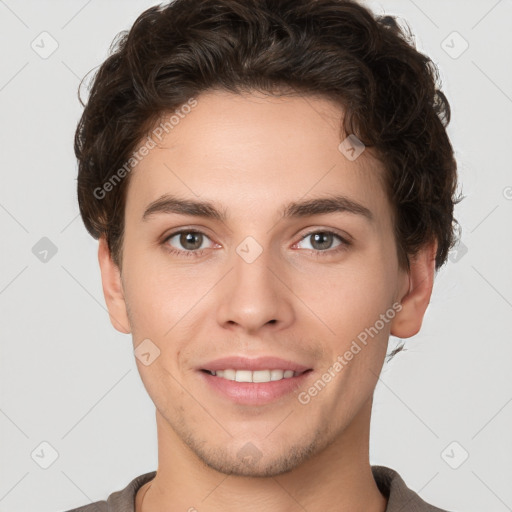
x=255, y=295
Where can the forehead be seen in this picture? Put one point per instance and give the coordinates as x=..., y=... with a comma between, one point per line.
x=252, y=150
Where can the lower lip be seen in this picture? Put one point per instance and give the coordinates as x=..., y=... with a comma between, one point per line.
x=250, y=393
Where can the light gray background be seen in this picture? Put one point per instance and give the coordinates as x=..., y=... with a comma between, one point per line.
x=68, y=378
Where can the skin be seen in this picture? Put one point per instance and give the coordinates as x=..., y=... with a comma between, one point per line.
x=253, y=154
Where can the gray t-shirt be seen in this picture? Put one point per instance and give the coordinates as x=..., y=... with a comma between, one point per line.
x=400, y=497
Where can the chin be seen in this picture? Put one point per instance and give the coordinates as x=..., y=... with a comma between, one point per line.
x=249, y=460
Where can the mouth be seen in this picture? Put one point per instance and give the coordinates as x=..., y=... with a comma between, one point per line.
x=254, y=387
x=256, y=376
x=253, y=381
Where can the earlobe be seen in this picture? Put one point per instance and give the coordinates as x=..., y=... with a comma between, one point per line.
x=112, y=289
x=414, y=302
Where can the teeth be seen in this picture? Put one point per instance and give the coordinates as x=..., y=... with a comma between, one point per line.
x=243, y=376
x=276, y=374
x=256, y=376
x=261, y=376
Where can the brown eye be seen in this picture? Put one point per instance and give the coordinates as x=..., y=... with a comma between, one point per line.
x=191, y=241
x=323, y=240
x=185, y=241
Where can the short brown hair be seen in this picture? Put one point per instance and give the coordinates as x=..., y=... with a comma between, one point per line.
x=333, y=48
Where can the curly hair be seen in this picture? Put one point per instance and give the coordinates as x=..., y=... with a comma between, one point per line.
x=337, y=49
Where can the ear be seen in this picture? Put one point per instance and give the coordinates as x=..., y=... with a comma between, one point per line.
x=416, y=296
x=113, y=289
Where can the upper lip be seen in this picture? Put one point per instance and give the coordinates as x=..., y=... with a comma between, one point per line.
x=259, y=363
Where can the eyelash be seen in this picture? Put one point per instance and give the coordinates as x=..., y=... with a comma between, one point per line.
x=199, y=252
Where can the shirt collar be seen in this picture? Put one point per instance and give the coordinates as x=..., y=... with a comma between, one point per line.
x=391, y=485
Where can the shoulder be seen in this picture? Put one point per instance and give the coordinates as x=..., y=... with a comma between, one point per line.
x=400, y=497
x=119, y=501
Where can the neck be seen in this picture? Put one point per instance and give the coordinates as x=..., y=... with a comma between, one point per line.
x=339, y=477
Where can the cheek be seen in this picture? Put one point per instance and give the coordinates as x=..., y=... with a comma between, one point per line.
x=166, y=309
x=362, y=284
x=159, y=296
x=350, y=299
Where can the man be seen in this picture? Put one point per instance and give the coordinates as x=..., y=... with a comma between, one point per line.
x=272, y=187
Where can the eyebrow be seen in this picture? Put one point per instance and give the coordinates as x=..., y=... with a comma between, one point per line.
x=318, y=206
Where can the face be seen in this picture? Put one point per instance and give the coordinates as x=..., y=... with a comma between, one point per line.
x=264, y=277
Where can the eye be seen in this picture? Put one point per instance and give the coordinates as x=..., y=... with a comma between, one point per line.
x=189, y=242
x=322, y=241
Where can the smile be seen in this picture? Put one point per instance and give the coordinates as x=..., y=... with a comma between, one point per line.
x=254, y=376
